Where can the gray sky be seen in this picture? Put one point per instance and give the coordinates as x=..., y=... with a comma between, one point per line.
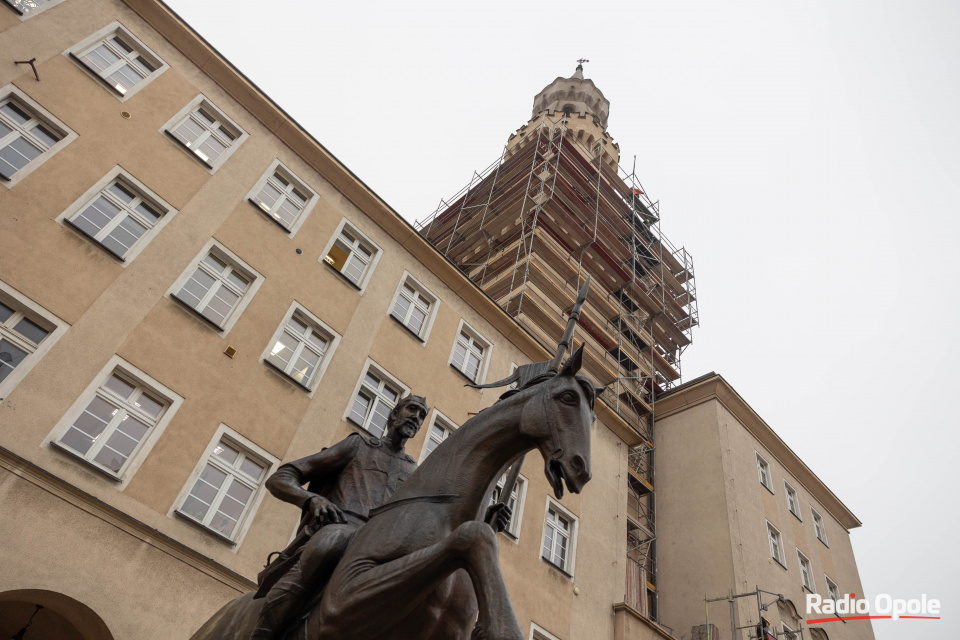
x=806, y=154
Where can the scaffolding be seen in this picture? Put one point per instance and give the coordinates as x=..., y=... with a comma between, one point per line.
x=528, y=229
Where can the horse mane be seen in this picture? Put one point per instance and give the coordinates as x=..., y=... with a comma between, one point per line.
x=585, y=383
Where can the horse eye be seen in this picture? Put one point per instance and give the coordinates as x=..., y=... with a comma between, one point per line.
x=568, y=397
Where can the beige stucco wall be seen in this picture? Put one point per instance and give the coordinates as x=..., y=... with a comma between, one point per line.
x=115, y=309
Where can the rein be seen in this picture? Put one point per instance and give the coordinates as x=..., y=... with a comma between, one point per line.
x=444, y=498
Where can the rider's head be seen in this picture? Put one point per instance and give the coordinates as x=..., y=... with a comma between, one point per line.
x=406, y=417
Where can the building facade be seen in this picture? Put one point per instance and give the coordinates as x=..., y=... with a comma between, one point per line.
x=193, y=291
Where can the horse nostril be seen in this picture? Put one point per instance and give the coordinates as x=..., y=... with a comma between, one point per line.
x=578, y=464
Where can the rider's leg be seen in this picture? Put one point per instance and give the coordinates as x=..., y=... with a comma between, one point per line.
x=317, y=561
x=355, y=607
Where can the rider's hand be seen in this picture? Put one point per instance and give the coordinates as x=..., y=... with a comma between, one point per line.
x=324, y=511
x=498, y=516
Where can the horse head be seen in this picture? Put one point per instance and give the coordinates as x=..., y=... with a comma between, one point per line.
x=557, y=417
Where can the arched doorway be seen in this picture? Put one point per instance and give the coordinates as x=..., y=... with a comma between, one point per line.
x=59, y=617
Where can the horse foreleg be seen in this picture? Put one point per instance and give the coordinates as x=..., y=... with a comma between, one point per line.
x=366, y=600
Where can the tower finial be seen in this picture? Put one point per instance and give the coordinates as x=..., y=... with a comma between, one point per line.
x=579, y=72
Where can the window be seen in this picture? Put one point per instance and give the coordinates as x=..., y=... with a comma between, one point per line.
x=352, y=255
x=206, y=132
x=374, y=400
x=763, y=469
x=118, y=59
x=470, y=353
x=440, y=429
x=20, y=336
x=414, y=307
x=29, y=8
x=284, y=198
x=539, y=633
x=776, y=544
x=832, y=589
x=225, y=488
x=28, y=135
x=115, y=422
x=819, y=526
x=793, y=502
x=120, y=216
x=218, y=287
x=788, y=633
x=301, y=347
x=806, y=573
x=559, y=536
x=515, y=502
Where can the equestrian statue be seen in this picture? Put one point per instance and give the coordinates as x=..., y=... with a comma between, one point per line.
x=387, y=550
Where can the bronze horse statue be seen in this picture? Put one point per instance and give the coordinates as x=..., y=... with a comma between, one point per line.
x=425, y=566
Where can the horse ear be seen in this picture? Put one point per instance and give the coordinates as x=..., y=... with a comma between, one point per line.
x=599, y=390
x=573, y=363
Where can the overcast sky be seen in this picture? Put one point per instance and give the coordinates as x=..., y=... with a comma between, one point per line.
x=806, y=154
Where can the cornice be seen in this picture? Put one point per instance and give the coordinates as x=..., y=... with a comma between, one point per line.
x=67, y=492
x=713, y=387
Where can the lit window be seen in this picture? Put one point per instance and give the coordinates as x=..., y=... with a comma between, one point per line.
x=412, y=307
x=818, y=526
x=283, y=197
x=351, y=256
x=763, y=469
x=215, y=287
x=558, y=532
x=469, y=353
x=832, y=589
x=515, y=502
x=440, y=430
x=24, y=136
x=119, y=59
x=206, y=132
x=806, y=573
x=299, y=349
x=114, y=423
x=118, y=217
x=776, y=544
x=20, y=336
x=373, y=403
x=224, y=491
x=793, y=502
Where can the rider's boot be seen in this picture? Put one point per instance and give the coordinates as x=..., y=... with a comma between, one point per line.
x=279, y=606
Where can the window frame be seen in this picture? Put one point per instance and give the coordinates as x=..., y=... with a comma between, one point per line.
x=574, y=523
x=198, y=103
x=118, y=174
x=785, y=629
x=92, y=42
x=764, y=466
x=477, y=337
x=801, y=559
x=376, y=370
x=29, y=309
x=361, y=238
x=277, y=167
x=822, y=528
x=408, y=280
x=214, y=247
x=26, y=15
x=135, y=460
x=441, y=421
x=830, y=592
x=12, y=93
x=773, y=532
x=332, y=337
x=790, y=491
x=539, y=633
x=516, y=520
x=235, y=439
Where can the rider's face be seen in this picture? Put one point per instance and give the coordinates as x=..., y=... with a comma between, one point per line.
x=408, y=419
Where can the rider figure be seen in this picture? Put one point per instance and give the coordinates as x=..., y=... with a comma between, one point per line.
x=344, y=483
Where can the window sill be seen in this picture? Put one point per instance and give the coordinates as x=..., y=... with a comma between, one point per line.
x=99, y=245
x=822, y=542
x=407, y=329
x=340, y=275
x=768, y=489
x=287, y=376
x=110, y=475
x=190, y=151
x=205, y=528
x=569, y=576
x=795, y=516
x=463, y=375
x=782, y=566
x=197, y=313
x=266, y=214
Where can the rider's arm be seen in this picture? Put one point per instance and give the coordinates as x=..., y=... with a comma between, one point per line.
x=287, y=483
